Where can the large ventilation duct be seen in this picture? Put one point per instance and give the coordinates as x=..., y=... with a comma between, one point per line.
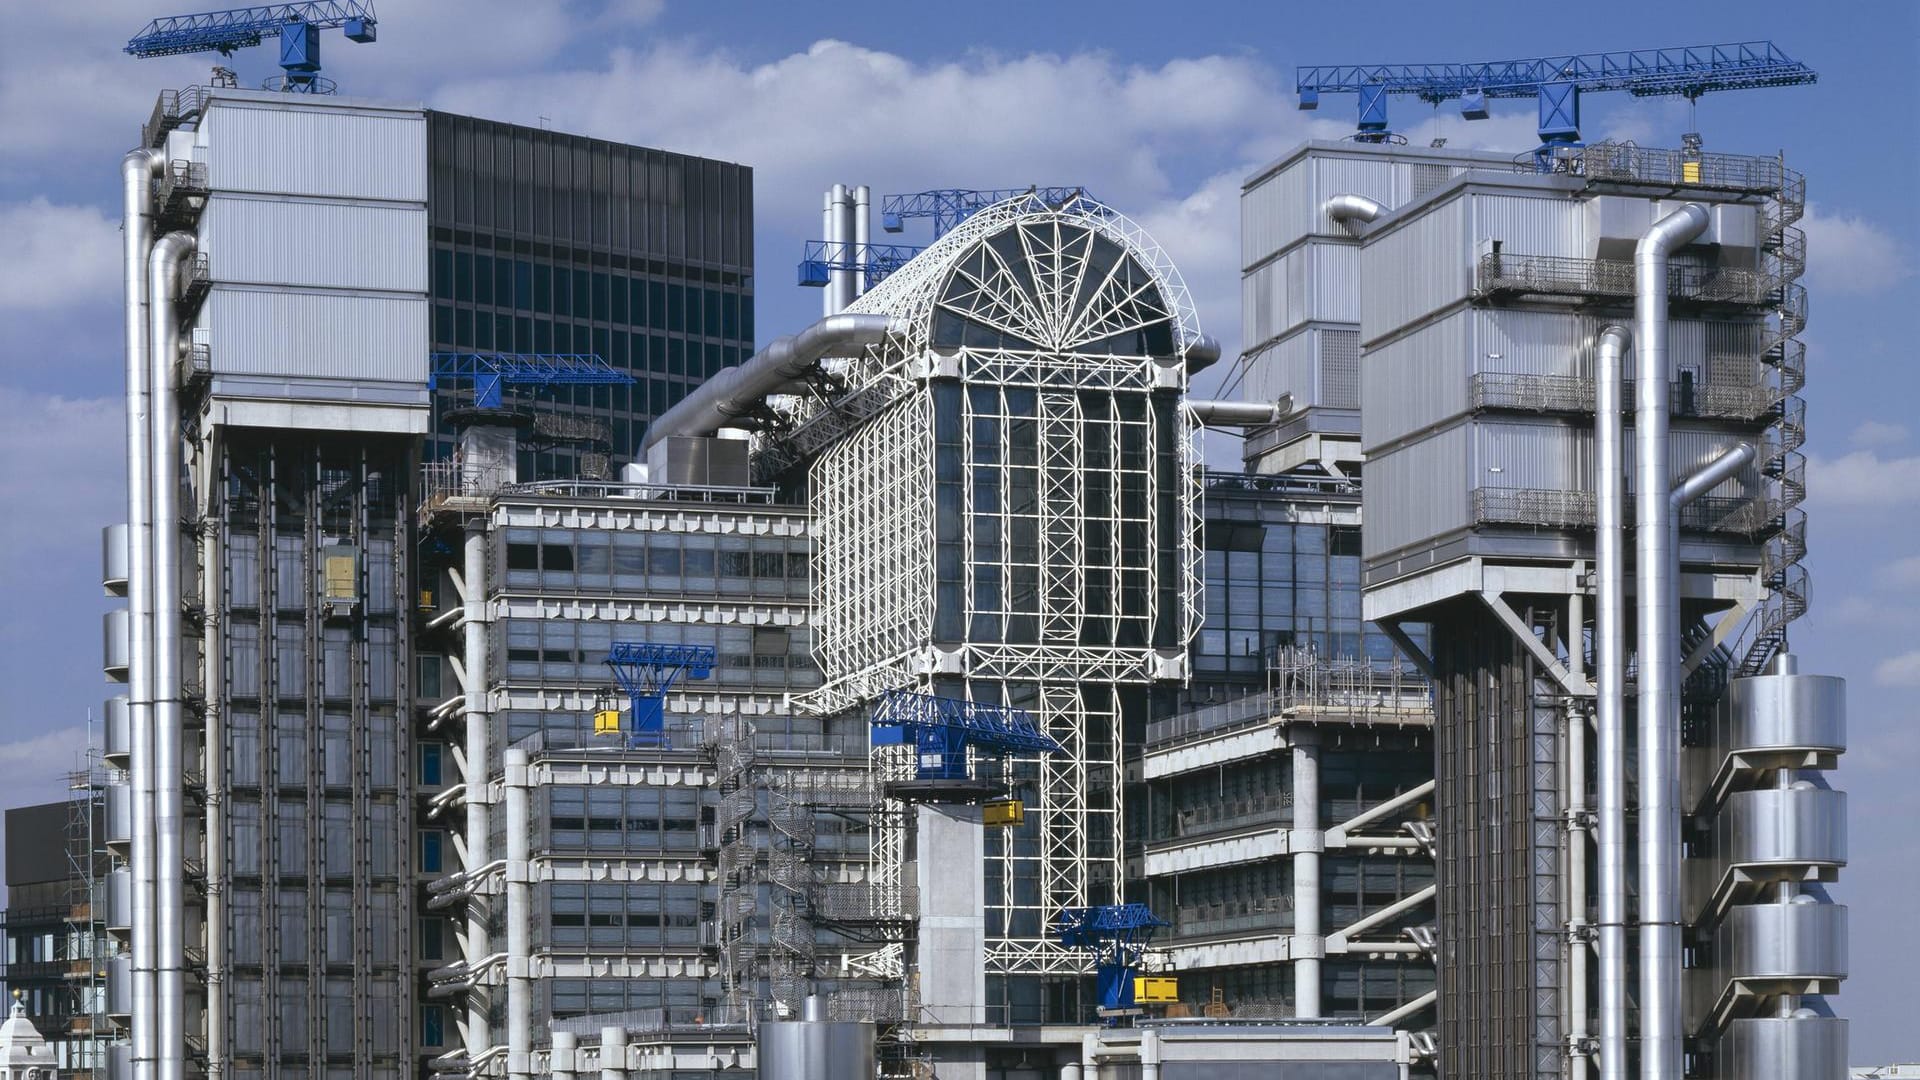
x=138, y=170
x=1610, y=729
x=1345, y=208
x=734, y=392
x=1657, y=578
x=1202, y=353
x=169, y=827
x=1242, y=414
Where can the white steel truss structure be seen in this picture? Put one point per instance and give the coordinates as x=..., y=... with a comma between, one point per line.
x=1007, y=509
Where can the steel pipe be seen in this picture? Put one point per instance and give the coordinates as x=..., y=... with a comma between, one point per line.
x=840, y=218
x=736, y=391
x=1345, y=208
x=513, y=767
x=1242, y=414
x=138, y=170
x=1306, y=839
x=478, y=718
x=1610, y=729
x=862, y=236
x=1656, y=574
x=1201, y=353
x=1711, y=475
x=169, y=826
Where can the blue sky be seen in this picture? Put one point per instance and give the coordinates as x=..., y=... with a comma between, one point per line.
x=1160, y=109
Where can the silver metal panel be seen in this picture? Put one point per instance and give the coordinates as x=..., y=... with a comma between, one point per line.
x=1804, y=1046
x=317, y=334
x=815, y=1050
x=117, y=722
x=120, y=1061
x=309, y=146
x=1414, y=382
x=1542, y=224
x=1318, y=282
x=1791, y=941
x=1530, y=454
x=341, y=245
x=1415, y=269
x=1416, y=491
x=1276, y=212
x=117, y=814
x=113, y=559
x=1771, y=722
x=116, y=643
x=119, y=900
x=120, y=986
x=1769, y=835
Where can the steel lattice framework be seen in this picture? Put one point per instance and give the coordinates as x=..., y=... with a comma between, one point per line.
x=1007, y=503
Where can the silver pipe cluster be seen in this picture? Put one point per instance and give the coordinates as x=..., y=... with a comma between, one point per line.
x=1610, y=729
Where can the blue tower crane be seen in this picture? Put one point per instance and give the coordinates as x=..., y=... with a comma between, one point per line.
x=492, y=373
x=646, y=672
x=1117, y=935
x=941, y=729
x=1555, y=81
x=297, y=26
x=875, y=261
x=948, y=207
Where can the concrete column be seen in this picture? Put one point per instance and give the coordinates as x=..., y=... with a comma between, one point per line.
x=953, y=899
x=613, y=1053
x=564, y=1059
x=519, y=917
x=1149, y=1055
x=1307, y=839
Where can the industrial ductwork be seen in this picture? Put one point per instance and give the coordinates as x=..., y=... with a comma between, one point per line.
x=734, y=392
x=1610, y=727
x=1344, y=208
x=1656, y=575
x=1241, y=414
x=1201, y=353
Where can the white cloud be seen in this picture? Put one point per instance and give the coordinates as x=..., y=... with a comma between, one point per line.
x=1902, y=670
x=65, y=256
x=1864, y=479
x=1904, y=571
x=46, y=754
x=1869, y=612
x=60, y=507
x=1849, y=254
x=1873, y=433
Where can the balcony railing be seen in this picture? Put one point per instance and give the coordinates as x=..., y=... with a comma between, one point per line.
x=1522, y=392
x=1626, y=163
x=1555, y=275
x=1550, y=509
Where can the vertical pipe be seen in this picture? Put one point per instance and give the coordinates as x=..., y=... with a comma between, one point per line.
x=211, y=546
x=1610, y=729
x=828, y=305
x=474, y=621
x=613, y=1053
x=1662, y=1054
x=561, y=1060
x=1149, y=1055
x=862, y=235
x=1577, y=1029
x=513, y=766
x=137, y=172
x=169, y=916
x=840, y=231
x=1307, y=840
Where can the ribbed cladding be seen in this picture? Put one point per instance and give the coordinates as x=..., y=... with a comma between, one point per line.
x=1286, y=367
x=1317, y=282
x=1535, y=223
x=317, y=335
x=113, y=559
x=1416, y=491
x=299, y=147
x=1414, y=269
x=1276, y=212
x=117, y=891
x=1768, y=835
x=116, y=722
x=1804, y=1046
x=116, y=643
x=341, y=245
x=1770, y=722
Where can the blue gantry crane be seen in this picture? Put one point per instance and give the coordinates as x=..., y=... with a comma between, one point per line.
x=942, y=728
x=491, y=373
x=875, y=261
x=1117, y=935
x=646, y=672
x=947, y=207
x=297, y=26
x=1556, y=82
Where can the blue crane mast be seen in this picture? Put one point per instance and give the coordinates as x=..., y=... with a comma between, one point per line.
x=492, y=373
x=944, y=207
x=646, y=672
x=875, y=261
x=297, y=26
x=1556, y=82
x=941, y=729
x=1117, y=935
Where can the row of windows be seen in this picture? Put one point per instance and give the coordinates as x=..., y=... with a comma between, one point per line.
x=677, y=357
x=542, y=289
x=554, y=254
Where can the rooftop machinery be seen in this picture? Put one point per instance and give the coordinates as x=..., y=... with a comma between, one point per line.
x=1556, y=81
x=297, y=25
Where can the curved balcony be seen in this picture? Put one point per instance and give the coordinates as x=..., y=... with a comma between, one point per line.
x=117, y=722
x=113, y=559
x=1770, y=722
x=1762, y=951
x=116, y=643
x=1783, y=1047
x=1767, y=836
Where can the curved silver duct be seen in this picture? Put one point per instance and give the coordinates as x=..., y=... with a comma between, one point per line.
x=1201, y=353
x=1712, y=474
x=1242, y=414
x=1344, y=208
x=1656, y=574
x=735, y=391
x=169, y=827
x=138, y=170
x=1610, y=678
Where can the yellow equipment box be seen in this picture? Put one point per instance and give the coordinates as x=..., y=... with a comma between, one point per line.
x=1155, y=989
x=1003, y=812
x=606, y=722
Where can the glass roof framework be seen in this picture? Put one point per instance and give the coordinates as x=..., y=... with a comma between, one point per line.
x=1007, y=510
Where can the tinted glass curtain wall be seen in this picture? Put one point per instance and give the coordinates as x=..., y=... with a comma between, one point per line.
x=545, y=242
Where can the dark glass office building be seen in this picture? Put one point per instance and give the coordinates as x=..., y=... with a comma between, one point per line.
x=545, y=242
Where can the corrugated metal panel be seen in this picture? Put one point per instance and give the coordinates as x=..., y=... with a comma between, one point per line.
x=1374, y=178
x=1413, y=382
x=298, y=148
x=317, y=334
x=1318, y=282
x=1415, y=270
x=1415, y=492
x=1275, y=214
x=1530, y=342
x=325, y=244
x=1286, y=368
x=1333, y=281
x=1529, y=226
x=1539, y=455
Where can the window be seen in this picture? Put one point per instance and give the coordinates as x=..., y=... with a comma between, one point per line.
x=431, y=940
x=431, y=858
x=523, y=556
x=430, y=678
x=433, y=1025
x=430, y=757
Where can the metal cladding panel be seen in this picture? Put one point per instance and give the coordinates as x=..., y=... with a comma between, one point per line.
x=116, y=643
x=114, y=556
x=1797, y=1047
x=815, y=1050
x=1289, y=366
x=1538, y=455
x=1318, y=282
x=117, y=723
x=1772, y=826
x=1544, y=224
x=1276, y=212
x=1416, y=381
x=1416, y=491
x=1802, y=939
x=117, y=818
x=119, y=897
x=332, y=150
x=1415, y=269
x=317, y=335
x=297, y=243
x=120, y=985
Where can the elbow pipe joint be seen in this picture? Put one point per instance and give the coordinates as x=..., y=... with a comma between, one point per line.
x=1712, y=474
x=1201, y=353
x=1345, y=208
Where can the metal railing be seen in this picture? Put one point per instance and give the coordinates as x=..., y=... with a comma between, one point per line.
x=1550, y=509
x=1302, y=685
x=680, y=1020
x=1523, y=392
x=171, y=110
x=1557, y=275
x=1627, y=163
